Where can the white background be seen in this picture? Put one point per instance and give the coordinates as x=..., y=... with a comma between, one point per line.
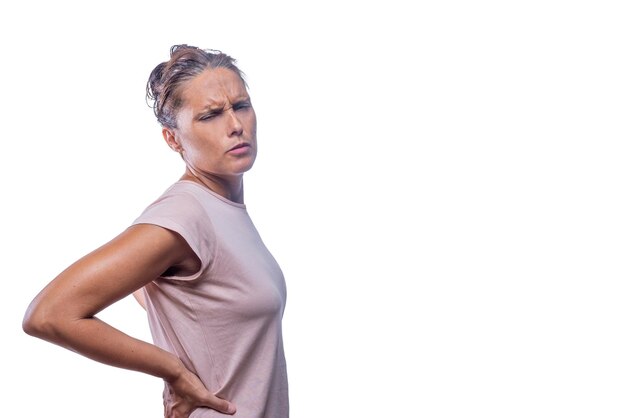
x=443, y=185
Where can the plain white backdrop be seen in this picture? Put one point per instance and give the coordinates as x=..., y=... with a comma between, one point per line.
x=441, y=182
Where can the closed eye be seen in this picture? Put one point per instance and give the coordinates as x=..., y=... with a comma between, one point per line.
x=242, y=105
x=209, y=116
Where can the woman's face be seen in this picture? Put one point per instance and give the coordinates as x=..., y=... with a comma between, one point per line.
x=216, y=125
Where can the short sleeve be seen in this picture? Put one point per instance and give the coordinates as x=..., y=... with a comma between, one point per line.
x=183, y=214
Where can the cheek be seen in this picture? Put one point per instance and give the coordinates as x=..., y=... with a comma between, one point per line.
x=199, y=152
x=252, y=124
x=203, y=140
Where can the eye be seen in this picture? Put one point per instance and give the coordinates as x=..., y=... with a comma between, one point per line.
x=208, y=116
x=242, y=105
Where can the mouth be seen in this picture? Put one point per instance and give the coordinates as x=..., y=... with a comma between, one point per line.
x=239, y=146
x=240, y=149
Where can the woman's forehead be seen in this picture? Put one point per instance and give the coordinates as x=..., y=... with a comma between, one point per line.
x=214, y=86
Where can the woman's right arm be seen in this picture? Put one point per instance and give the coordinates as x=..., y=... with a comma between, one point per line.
x=64, y=311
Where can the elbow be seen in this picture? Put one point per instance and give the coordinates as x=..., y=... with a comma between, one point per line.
x=37, y=322
x=30, y=327
x=32, y=324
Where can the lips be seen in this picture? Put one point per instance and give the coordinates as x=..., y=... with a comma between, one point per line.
x=240, y=150
x=238, y=146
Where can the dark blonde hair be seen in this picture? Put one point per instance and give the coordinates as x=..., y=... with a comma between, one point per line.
x=163, y=91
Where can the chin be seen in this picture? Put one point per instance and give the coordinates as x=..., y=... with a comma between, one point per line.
x=242, y=168
x=247, y=168
x=247, y=165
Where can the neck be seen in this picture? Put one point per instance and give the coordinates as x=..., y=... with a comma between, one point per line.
x=227, y=187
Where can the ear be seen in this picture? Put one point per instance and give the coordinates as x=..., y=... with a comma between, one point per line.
x=170, y=137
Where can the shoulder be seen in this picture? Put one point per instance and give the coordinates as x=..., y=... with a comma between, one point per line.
x=180, y=202
x=182, y=210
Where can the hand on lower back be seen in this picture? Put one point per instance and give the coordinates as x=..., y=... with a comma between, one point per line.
x=186, y=393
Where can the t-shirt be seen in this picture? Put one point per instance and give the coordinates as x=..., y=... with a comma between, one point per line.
x=223, y=322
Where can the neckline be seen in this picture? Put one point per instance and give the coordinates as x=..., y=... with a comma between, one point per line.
x=211, y=192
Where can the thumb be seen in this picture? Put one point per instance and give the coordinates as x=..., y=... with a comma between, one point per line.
x=220, y=405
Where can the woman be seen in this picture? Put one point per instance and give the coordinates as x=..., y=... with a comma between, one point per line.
x=214, y=294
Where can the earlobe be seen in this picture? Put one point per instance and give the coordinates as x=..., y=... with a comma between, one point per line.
x=171, y=140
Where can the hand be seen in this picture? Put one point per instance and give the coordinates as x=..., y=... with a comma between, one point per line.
x=186, y=392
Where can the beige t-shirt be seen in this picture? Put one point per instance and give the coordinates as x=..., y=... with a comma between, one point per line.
x=224, y=322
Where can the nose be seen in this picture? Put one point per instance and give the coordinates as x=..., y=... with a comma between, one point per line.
x=235, y=128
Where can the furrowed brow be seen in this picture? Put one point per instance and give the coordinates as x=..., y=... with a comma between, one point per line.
x=210, y=110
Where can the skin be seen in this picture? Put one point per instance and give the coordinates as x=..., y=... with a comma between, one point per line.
x=215, y=117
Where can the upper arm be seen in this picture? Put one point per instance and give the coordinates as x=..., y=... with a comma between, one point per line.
x=132, y=259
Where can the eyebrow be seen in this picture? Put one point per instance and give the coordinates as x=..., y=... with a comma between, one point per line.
x=220, y=107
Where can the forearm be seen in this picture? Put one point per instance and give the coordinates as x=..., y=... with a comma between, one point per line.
x=99, y=341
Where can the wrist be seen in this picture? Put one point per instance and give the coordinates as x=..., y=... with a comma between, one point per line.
x=174, y=370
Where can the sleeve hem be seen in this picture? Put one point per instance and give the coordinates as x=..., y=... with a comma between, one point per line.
x=186, y=235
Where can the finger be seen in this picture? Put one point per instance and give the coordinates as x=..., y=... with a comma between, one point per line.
x=178, y=410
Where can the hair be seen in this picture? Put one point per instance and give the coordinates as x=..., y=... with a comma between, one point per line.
x=164, y=87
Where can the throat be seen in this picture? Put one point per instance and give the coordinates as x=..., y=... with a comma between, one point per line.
x=231, y=189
